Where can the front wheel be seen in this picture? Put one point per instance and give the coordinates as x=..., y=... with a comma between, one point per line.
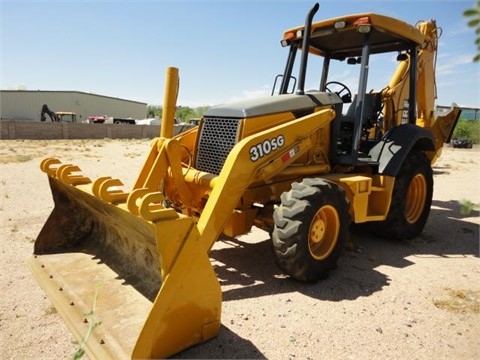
x=311, y=229
x=411, y=200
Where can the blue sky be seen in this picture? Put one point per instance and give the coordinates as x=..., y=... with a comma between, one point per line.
x=225, y=50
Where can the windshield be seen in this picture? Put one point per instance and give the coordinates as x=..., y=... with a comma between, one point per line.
x=67, y=117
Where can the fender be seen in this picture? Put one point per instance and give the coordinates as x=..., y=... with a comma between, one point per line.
x=393, y=148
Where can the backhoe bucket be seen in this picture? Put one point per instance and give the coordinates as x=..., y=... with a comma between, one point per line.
x=130, y=281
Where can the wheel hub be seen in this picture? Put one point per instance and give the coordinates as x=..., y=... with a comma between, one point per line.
x=416, y=195
x=318, y=231
x=324, y=230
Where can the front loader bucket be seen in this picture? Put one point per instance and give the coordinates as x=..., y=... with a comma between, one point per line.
x=128, y=284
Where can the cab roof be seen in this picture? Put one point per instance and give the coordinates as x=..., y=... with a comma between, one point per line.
x=387, y=34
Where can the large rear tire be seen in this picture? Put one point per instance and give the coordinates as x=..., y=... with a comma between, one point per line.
x=311, y=229
x=411, y=200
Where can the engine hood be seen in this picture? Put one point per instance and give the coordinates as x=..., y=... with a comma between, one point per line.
x=273, y=104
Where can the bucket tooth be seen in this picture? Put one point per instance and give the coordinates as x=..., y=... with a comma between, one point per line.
x=71, y=174
x=108, y=189
x=47, y=166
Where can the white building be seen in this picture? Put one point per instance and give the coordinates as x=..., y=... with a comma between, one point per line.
x=27, y=105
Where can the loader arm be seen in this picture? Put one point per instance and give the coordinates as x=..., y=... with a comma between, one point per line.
x=239, y=170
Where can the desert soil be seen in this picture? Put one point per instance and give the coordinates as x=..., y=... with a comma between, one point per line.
x=418, y=299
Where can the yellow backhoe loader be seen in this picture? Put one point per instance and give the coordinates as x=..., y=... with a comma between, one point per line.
x=302, y=165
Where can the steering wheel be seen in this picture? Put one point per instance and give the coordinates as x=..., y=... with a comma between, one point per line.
x=347, y=97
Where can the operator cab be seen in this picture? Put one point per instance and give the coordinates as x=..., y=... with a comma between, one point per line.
x=341, y=50
x=66, y=116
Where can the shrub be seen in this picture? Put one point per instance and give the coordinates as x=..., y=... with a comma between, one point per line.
x=469, y=129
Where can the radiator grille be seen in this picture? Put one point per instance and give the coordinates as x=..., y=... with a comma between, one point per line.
x=217, y=137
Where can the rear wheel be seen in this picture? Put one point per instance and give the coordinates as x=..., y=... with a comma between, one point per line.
x=311, y=228
x=411, y=200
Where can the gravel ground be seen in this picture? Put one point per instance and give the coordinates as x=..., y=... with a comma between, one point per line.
x=413, y=300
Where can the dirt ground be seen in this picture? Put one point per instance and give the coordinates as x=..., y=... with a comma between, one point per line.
x=418, y=299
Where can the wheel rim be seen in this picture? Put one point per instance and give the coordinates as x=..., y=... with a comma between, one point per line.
x=323, y=233
x=416, y=195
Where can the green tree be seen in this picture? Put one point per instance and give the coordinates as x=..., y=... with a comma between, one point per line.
x=184, y=113
x=151, y=111
x=469, y=129
x=199, y=111
x=154, y=110
x=473, y=16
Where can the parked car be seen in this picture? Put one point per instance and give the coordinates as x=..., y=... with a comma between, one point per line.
x=194, y=121
x=97, y=119
x=149, y=121
x=462, y=143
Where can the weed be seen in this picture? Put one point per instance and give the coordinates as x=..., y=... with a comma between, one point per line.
x=92, y=324
x=24, y=158
x=467, y=207
x=51, y=310
x=460, y=301
x=131, y=155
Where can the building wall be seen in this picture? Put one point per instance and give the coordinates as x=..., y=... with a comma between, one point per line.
x=27, y=105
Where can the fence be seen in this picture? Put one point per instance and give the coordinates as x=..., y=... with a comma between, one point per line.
x=21, y=129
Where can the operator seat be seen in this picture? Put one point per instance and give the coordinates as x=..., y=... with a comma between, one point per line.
x=344, y=128
x=372, y=107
